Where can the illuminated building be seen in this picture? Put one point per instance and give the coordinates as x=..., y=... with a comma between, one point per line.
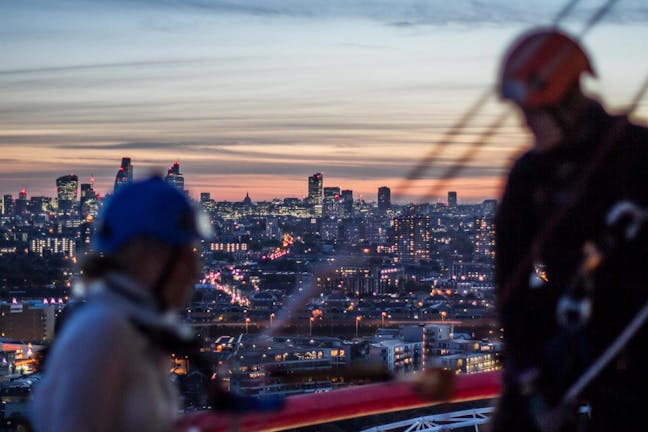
x=54, y=244
x=66, y=191
x=86, y=233
x=21, y=203
x=452, y=199
x=329, y=230
x=228, y=247
x=315, y=184
x=347, y=202
x=174, y=177
x=384, y=198
x=88, y=200
x=124, y=174
x=272, y=228
x=350, y=229
x=313, y=360
x=331, y=207
x=205, y=199
x=332, y=192
x=412, y=235
x=397, y=355
x=484, y=236
x=7, y=205
x=355, y=279
x=39, y=204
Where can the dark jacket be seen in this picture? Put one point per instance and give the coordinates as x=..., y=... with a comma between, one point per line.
x=555, y=202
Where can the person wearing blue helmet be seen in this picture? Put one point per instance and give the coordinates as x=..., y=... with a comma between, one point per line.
x=109, y=367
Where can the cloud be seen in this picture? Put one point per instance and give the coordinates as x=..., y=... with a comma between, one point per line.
x=401, y=13
x=90, y=66
x=144, y=145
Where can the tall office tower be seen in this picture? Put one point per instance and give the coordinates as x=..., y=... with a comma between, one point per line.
x=315, y=184
x=66, y=191
x=452, y=199
x=412, y=235
x=174, y=177
x=384, y=198
x=87, y=200
x=87, y=192
x=20, y=205
x=124, y=174
x=347, y=202
x=331, y=206
x=7, y=205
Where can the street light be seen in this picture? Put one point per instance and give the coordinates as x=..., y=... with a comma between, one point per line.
x=443, y=315
x=247, y=321
x=357, y=322
x=382, y=318
x=310, y=326
x=272, y=315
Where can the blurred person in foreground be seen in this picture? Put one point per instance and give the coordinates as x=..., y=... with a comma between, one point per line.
x=579, y=193
x=108, y=369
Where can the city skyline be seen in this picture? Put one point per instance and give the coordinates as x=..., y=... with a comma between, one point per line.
x=254, y=96
x=197, y=195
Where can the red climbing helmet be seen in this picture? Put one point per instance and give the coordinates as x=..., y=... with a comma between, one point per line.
x=541, y=66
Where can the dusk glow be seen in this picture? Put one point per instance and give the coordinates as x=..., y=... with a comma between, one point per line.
x=255, y=96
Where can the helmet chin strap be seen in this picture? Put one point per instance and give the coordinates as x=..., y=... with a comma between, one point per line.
x=160, y=283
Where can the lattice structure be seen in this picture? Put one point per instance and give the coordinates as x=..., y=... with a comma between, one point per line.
x=439, y=422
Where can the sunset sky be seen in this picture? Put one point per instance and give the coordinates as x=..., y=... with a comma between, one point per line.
x=255, y=95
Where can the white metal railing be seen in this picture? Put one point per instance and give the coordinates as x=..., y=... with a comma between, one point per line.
x=439, y=422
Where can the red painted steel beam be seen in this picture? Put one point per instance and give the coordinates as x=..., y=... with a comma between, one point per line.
x=349, y=402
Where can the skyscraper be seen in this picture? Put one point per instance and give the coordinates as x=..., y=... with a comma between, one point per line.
x=7, y=205
x=124, y=174
x=87, y=191
x=347, y=202
x=452, y=199
x=67, y=188
x=315, y=184
x=331, y=207
x=332, y=192
x=21, y=203
x=412, y=235
x=88, y=199
x=384, y=198
x=174, y=177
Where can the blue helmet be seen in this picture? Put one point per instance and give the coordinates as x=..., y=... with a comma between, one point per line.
x=149, y=208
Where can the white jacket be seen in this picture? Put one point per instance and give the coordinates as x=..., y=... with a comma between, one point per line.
x=103, y=374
